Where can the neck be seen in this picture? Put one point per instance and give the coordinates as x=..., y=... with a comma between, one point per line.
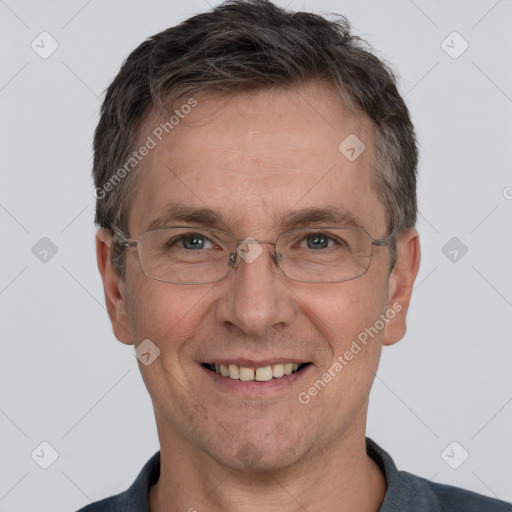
x=342, y=478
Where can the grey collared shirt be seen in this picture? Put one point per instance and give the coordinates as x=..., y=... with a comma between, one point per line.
x=405, y=492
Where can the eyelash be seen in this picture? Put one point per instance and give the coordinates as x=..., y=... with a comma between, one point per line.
x=192, y=234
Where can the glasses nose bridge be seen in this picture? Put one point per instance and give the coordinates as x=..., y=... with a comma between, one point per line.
x=237, y=257
x=252, y=241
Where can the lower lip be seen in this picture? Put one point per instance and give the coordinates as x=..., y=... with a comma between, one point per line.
x=254, y=388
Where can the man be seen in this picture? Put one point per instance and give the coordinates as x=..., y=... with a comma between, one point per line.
x=255, y=175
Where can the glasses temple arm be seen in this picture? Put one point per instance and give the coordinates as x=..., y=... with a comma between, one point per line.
x=379, y=242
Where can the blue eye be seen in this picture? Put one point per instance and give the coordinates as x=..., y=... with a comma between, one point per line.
x=193, y=241
x=190, y=241
x=317, y=241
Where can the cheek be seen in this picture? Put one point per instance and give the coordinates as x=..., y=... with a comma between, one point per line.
x=165, y=313
x=169, y=316
x=341, y=311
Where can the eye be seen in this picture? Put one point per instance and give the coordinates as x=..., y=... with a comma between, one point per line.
x=192, y=241
x=319, y=241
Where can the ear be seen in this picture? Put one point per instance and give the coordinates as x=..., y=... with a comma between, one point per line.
x=401, y=283
x=113, y=287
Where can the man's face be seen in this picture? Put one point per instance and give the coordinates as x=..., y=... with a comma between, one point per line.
x=253, y=158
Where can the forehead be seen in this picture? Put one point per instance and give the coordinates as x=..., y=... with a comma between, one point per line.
x=255, y=157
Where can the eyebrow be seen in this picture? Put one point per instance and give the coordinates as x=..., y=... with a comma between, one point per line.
x=179, y=212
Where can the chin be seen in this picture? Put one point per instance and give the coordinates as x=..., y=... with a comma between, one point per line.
x=255, y=452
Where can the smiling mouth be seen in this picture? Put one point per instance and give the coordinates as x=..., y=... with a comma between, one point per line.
x=262, y=374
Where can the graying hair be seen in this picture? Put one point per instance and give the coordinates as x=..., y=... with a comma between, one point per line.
x=241, y=46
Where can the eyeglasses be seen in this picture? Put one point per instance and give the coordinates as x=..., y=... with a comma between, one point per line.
x=191, y=255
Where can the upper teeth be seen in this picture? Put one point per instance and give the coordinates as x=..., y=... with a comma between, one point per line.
x=233, y=371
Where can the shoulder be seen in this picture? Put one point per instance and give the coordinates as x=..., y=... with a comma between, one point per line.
x=134, y=499
x=457, y=499
x=112, y=504
x=411, y=492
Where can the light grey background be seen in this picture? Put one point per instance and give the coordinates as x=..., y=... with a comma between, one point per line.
x=64, y=379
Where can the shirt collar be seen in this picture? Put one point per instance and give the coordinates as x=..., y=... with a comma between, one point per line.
x=404, y=490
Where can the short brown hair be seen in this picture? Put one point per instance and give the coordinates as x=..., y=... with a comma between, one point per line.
x=244, y=45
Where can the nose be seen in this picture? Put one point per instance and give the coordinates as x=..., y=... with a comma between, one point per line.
x=257, y=299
